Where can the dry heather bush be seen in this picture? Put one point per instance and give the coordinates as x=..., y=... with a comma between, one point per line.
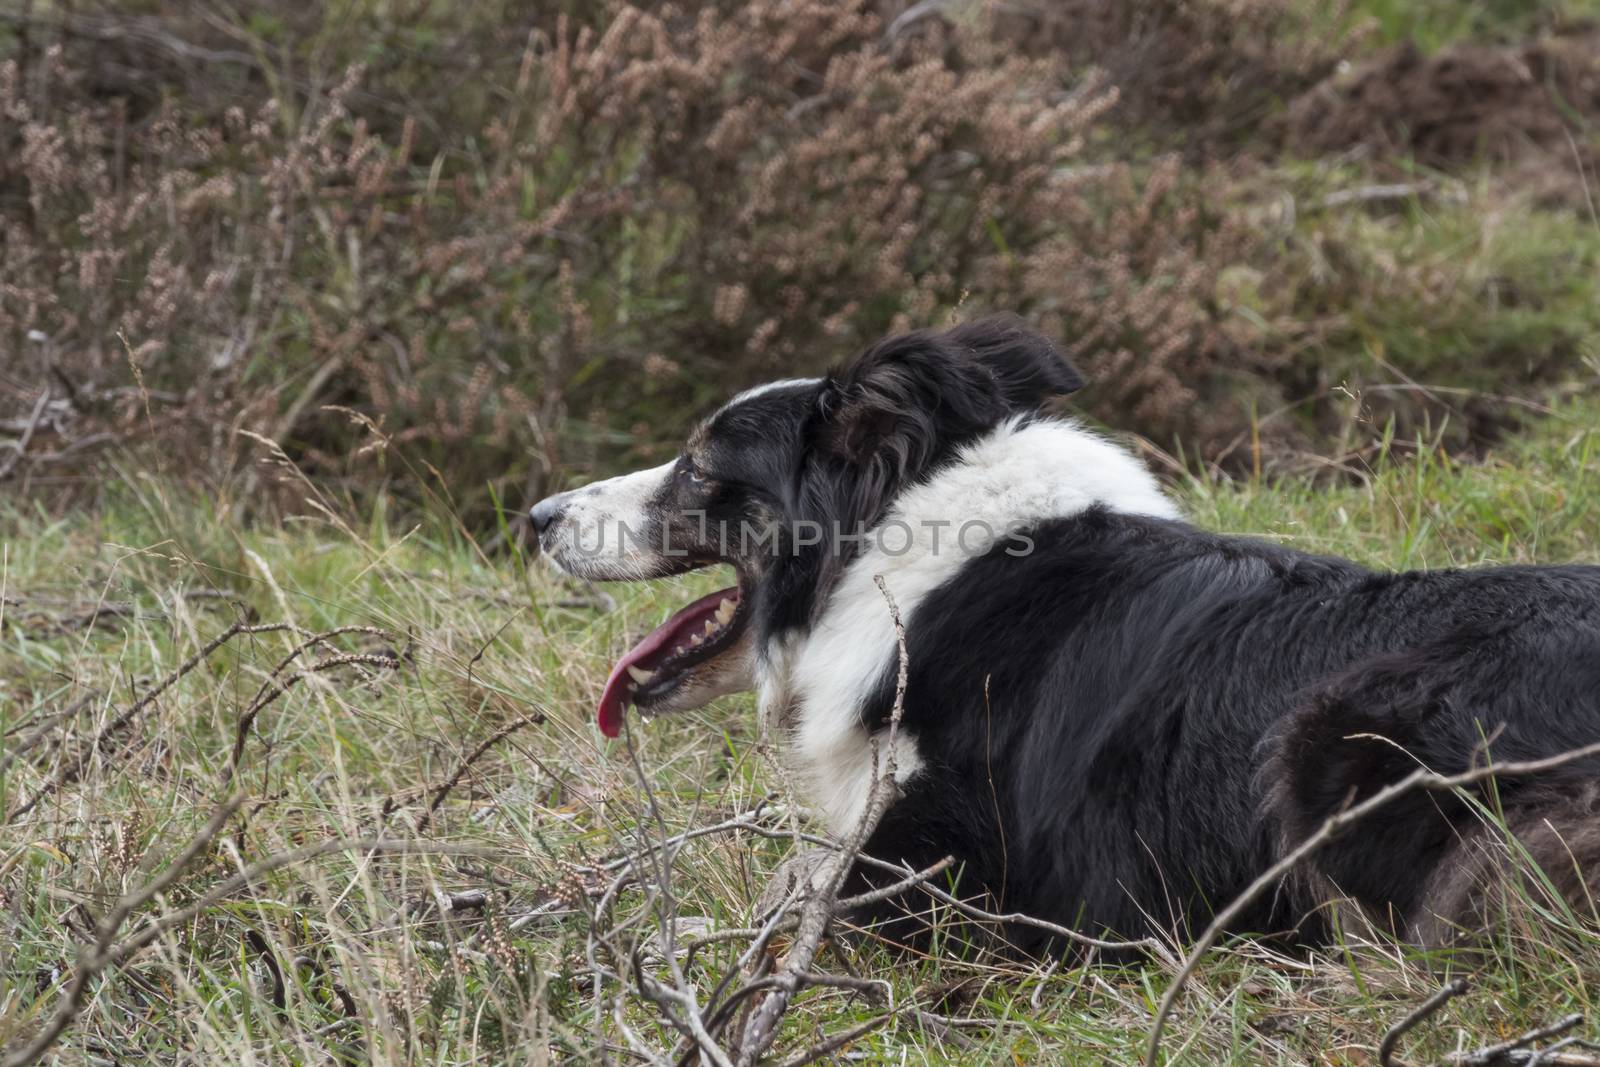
x=662, y=206
x=526, y=233
x=1129, y=281
x=717, y=193
x=1200, y=73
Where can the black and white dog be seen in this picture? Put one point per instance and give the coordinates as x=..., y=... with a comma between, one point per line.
x=1113, y=719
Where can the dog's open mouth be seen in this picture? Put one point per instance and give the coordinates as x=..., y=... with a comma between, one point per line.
x=657, y=665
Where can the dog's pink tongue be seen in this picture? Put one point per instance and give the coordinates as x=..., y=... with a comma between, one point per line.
x=665, y=640
x=614, y=700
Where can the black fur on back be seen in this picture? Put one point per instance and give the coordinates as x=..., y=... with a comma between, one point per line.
x=1124, y=728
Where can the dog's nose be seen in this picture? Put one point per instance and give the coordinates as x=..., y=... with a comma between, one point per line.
x=546, y=512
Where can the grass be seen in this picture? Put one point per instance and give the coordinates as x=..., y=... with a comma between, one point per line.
x=369, y=969
x=1490, y=280
x=1460, y=283
x=1433, y=24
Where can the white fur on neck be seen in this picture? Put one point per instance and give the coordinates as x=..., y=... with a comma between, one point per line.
x=1015, y=477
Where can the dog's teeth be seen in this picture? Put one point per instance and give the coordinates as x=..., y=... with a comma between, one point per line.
x=711, y=627
x=639, y=674
x=725, y=612
x=697, y=640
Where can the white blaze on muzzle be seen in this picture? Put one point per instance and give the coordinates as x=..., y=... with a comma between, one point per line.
x=611, y=530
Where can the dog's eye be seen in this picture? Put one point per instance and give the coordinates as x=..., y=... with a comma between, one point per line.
x=693, y=476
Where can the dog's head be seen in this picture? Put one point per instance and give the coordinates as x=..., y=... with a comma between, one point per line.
x=780, y=483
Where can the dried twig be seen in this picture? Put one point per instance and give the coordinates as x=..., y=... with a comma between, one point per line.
x=1418, y=779
x=534, y=719
x=1519, y=1051
x=1154, y=946
x=789, y=922
x=98, y=956
x=818, y=910
x=324, y=637
x=75, y=767
x=20, y=445
x=1157, y=948
x=1448, y=992
x=27, y=744
x=677, y=1003
x=838, y=1041
x=276, y=686
x=1367, y=194
x=888, y=892
x=105, y=954
x=104, y=611
x=747, y=821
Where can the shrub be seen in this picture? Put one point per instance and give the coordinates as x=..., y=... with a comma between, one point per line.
x=369, y=236
x=1197, y=74
x=663, y=205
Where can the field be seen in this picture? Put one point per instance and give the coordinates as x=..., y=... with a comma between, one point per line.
x=303, y=303
x=429, y=811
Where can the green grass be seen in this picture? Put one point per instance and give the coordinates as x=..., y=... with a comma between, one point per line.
x=1535, y=499
x=1456, y=282
x=1433, y=24
x=373, y=973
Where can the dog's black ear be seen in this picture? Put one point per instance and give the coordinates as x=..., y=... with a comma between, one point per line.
x=906, y=394
x=889, y=409
x=1028, y=366
x=892, y=412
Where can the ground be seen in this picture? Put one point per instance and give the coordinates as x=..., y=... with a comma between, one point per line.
x=455, y=740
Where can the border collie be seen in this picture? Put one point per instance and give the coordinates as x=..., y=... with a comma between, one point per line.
x=1113, y=719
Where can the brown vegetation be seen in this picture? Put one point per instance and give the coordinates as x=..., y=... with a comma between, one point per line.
x=1200, y=74
x=1517, y=104
x=504, y=249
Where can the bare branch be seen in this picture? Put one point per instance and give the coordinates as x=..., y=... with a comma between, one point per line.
x=818, y=910
x=70, y=773
x=1152, y=945
x=888, y=892
x=105, y=954
x=535, y=719
x=1157, y=948
x=95, y=958
x=275, y=687
x=42, y=731
x=1367, y=194
x=1519, y=1050
x=20, y=445
x=838, y=1041
x=1448, y=992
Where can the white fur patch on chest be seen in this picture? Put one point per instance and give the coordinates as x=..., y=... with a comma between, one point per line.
x=1019, y=475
